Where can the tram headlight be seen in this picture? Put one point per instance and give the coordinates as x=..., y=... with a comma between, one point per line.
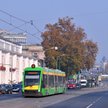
x=33, y=65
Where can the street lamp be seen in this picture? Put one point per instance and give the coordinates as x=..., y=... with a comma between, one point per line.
x=55, y=48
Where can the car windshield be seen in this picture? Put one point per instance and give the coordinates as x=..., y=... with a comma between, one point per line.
x=83, y=82
x=2, y=86
x=8, y=86
x=71, y=82
x=16, y=86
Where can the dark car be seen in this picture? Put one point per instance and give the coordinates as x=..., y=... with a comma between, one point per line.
x=78, y=85
x=17, y=87
x=2, y=89
x=5, y=89
x=8, y=89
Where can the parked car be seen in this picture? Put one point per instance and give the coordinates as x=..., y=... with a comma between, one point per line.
x=78, y=85
x=2, y=89
x=71, y=84
x=5, y=89
x=8, y=89
x=17, y=87
x=83, y=82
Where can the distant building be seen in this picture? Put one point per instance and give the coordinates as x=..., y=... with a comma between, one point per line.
x=105, y=67
x=19, y=38
x=36, y=51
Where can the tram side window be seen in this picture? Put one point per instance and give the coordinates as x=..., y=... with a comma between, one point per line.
x=56, y=81
x=60, y=80
x=45, y=82
x=64, y=81
x=51, y=80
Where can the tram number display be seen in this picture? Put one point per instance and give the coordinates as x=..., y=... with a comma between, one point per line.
x=32, y=73
x=32, y=77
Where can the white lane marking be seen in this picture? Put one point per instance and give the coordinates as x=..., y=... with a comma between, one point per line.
x=89, y=106
x=93, y=102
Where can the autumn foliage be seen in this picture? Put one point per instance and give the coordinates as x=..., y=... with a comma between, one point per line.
x=74, y=51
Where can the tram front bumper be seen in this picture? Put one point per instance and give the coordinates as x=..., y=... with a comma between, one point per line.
x=32, y=93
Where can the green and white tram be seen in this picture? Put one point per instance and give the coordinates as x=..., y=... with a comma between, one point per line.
x=39, y=81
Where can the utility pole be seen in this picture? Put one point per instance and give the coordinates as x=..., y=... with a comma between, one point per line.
x=58, y=61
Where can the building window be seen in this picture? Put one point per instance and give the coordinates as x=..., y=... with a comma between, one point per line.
x=11, y=61
x=1, y=45
x=7, y=46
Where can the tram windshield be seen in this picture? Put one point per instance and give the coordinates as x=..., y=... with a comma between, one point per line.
x=32, y=78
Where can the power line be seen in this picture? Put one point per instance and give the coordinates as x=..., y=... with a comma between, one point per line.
x=35, y=26
x=14, y=16
x=29, y=22
x=18, y=28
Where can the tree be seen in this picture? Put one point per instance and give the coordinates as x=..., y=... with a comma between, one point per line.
x=90, y=54
x=71, y=41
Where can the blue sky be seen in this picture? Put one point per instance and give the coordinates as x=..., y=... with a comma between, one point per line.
x=91, y=15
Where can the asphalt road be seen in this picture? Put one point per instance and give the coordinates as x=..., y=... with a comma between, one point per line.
x=85, y=98
x=4, y=97
x=90, y=100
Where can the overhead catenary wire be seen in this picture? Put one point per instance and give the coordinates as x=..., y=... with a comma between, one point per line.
x=32, y=23
x=18, y=28
x=14, y=16
x=22, y=20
